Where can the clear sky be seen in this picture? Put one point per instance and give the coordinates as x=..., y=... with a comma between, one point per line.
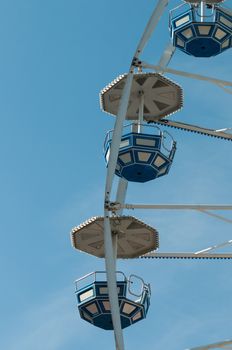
x=55, y=57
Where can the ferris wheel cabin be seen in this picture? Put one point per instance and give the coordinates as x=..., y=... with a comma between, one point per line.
x=145, y=153
x=201, y=28
x=94, y=305
x=142, y=156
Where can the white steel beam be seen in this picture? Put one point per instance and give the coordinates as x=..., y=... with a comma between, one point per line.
x=220, y=133
x=219, y=217
x=214, y=247
x=166, y=58
x=218, y=82
x=220, y=345
x=198, y=207
x=184, y=255
x=117, y=133
x=152, y=23
x=110, y=243
x=110, y=263
x=141, y=112
x=121, y=194
x=223, y=130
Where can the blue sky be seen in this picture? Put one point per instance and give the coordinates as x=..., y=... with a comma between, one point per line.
x=55, y=58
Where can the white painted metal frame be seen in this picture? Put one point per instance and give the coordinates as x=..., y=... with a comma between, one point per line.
x=221, y=345
x=220, y=83
x=217, y=246
x=201, y=254
x=220, y=133
x=111, y=241
x=166, y=58
x=200, y=207
x=203, y=208
x=184, y=255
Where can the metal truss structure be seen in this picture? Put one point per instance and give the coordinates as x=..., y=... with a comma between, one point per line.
x=118, y=205
x=115, y=207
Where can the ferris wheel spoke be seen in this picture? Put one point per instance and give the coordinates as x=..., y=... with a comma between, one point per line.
x=214, y=247
x=221, y=345
x=152, y=23
x=219, y=217
x=199, y=207
x=121, y=193
x=203, y=208
x=166, y=57
x=220, y=83
x=220, y=133
x=186, y=255
x=228, y=90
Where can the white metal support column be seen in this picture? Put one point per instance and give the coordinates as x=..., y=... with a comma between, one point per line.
x=120, y=198
x=110, y=248
x=117, y=133
x=141, y=108
x=121, y=194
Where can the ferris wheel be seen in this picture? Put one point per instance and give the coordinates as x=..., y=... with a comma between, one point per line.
x=139, y=149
